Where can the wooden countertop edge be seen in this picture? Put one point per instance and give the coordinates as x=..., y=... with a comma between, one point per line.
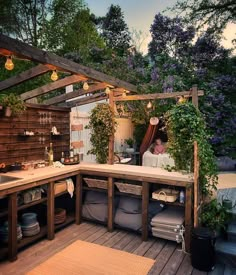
x=47, y=173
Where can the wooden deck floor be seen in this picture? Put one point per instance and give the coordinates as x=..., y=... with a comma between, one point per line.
x=168, y=255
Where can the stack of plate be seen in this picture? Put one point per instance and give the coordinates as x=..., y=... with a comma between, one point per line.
x=4, y=233
x=60, y=215
x=30, y=225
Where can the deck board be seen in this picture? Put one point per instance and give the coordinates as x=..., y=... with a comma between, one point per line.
x=169, y=258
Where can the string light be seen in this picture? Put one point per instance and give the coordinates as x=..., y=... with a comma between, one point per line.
x=107, y=91
x=124, y=94
x=85, y=86
x=149, y=105
x=9, y=65
x=54, y=75
x=182, y=99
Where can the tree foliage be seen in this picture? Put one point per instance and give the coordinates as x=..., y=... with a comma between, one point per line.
x=24, y=19
x=215, y=14
x=115, y=30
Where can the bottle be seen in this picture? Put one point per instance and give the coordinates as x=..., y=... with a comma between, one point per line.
x=181, y=197
x=71, y=152
x=50, y=155
x=46, y=154
x=62, y=157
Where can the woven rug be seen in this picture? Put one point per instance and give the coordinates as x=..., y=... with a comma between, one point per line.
x=85, y=258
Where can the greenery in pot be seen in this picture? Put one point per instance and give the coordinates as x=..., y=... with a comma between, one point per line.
x=14, y=102
x=102, y=125
x=185, y=124
x=129, y=142
x=214, y=216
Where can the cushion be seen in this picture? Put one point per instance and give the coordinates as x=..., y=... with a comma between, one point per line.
x=127, y=220
x=171, y=215
x=93, y=197
x=95, y=212
x=130, y=205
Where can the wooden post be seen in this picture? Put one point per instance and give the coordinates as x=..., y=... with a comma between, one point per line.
x=195, y=96
x=145, y=202
x=196, y=184
x=12, y=227
x=50, y=211
x=188, y=217
x=110, y=209
x=112, y=137
x=78, y=199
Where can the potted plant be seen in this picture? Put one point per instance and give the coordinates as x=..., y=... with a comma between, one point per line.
x=12, y=104
x=215, y=216
x=130, y=144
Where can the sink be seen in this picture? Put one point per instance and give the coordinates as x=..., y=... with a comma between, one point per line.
x=5, y=179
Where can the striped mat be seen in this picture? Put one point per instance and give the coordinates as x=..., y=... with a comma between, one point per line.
x=85, y=258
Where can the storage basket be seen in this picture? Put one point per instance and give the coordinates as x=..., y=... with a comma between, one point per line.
x=32, y=195
x=165, y=194
x=129, y=188
x=59, y=187
x=96, y=183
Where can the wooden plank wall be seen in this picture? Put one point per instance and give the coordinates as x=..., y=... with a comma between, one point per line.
x=14, y=147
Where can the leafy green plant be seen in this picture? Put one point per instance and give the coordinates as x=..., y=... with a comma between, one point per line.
x=102, y=126
x=185, y=124
x=214, y=215
x=129, y=142
x=14, y=102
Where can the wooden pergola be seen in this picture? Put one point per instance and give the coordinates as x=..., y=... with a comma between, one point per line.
x=96, y=91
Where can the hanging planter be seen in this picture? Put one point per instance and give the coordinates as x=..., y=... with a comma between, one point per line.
x=12, y=104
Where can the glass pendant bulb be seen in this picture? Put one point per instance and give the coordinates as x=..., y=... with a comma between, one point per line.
x=85, y=86
x=107, y=91
x=54, y=75
x=149, y=105
x=9, y=65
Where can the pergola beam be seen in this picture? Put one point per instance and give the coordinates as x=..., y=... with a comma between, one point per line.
x=157, y=96
x=52, y=86
x=74, y=94
x=26, y=75
x=19, y=48
x=87, y=100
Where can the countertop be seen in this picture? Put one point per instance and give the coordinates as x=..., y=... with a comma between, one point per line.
x=30, y=176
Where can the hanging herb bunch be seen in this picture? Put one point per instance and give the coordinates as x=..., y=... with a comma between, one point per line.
x=185, y=124
x=102, y=125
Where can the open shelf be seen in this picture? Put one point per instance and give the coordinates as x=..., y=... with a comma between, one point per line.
x=118, y=193
x=94, y=189
x=28, y=240
x=70, y=218
x=169, y=203
x=32, y=203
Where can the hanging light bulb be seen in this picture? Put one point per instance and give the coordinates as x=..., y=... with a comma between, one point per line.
x=9, y=65
x=54, y=75
x=182, y=99
x=124, y=94
x=149, y=105
x=107, y=91
x=85, y=86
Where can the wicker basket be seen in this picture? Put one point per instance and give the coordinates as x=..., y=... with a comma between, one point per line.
x=60, y=187
x=165, y=194
x=32, y=195
x=129, y=188
x=96, y=183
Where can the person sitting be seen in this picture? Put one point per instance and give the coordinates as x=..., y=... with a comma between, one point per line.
x=158, y=147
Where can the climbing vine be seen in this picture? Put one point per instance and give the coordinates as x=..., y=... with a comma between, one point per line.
x=102, y=126
x=185, y=124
